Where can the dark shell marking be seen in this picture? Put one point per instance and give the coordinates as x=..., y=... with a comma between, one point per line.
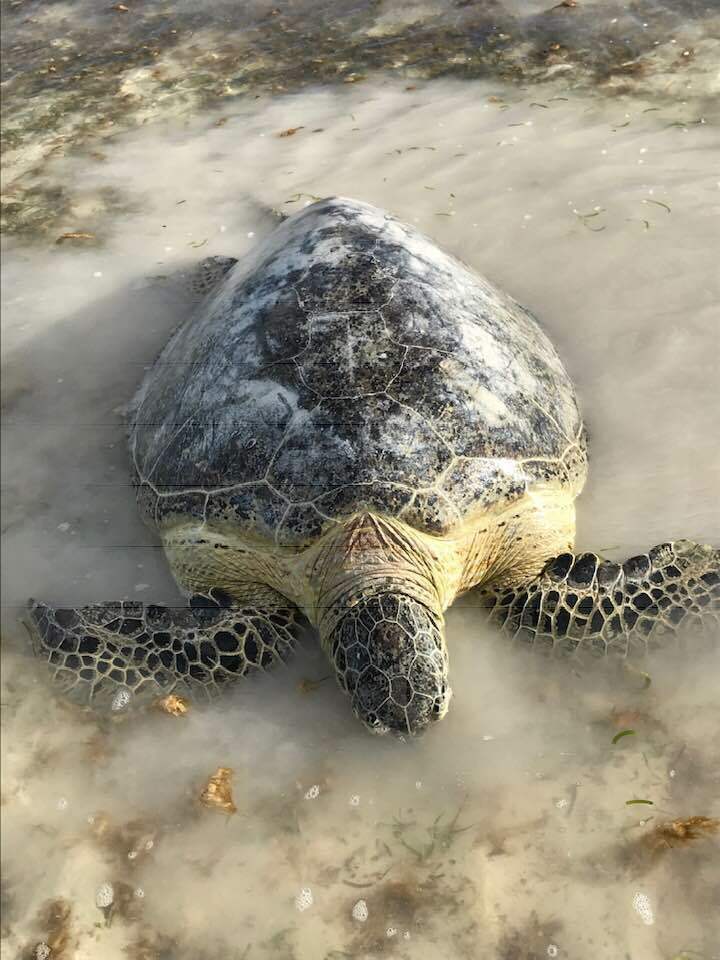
x=349, y=364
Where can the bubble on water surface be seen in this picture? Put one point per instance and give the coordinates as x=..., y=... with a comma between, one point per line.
x=304, y=900
x=360, y=911
x=104, y=896
x=641, y=906
x=121, y=700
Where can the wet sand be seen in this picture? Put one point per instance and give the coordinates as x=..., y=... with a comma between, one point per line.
x=505, y=832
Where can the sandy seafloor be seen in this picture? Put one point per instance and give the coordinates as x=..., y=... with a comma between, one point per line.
x=505, y=833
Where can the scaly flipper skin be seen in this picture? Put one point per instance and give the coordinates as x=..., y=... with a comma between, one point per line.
x=116, y=656
x=584, y=602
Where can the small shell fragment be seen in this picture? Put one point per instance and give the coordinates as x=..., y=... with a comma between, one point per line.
x=218, y=791
x=360, y=911
x=174, y=705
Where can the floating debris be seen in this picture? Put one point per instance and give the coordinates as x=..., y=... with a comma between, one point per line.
x=218, y=791
x=584, y=217
x=623, y=733
x=290, y=132
x=635, y=671
x=75, y=236
x=674, y=832
x=298, y=196
x=658, y=203
x=630, y=803
x=306, y=685
x=174, y=705
x=313, y=793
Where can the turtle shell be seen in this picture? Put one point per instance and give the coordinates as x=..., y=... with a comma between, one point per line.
x=348, y=364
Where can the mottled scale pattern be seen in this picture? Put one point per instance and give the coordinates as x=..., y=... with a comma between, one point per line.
x=348, y=364
x=390, y=657
x=583, y=603
x=113, y=655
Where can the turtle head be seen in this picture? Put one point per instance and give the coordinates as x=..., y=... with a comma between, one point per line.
x=389, y=654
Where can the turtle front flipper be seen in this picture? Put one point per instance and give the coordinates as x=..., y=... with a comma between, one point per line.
x=586, y=602
x=116, y=656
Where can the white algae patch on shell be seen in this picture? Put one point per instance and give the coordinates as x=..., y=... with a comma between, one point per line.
x=350, y=363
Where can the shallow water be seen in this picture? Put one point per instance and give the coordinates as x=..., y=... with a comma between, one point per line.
x=505, y=832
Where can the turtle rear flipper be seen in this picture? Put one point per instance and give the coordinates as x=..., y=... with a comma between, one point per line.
x=584, y=602
x=117, y=656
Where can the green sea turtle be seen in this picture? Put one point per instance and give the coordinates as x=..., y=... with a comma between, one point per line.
x=350, y=432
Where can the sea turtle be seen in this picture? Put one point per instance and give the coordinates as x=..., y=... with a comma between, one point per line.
x=351, y=431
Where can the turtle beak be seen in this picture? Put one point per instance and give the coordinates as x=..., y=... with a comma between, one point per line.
x=389, y=655
x=413, y=721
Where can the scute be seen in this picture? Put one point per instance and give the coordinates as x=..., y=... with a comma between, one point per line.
x=349, y=363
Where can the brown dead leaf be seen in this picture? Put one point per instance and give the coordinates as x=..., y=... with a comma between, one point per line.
x=74, y=236
x=174, y=705
x=674, y=832
x=218, y=791
x=290, y=132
